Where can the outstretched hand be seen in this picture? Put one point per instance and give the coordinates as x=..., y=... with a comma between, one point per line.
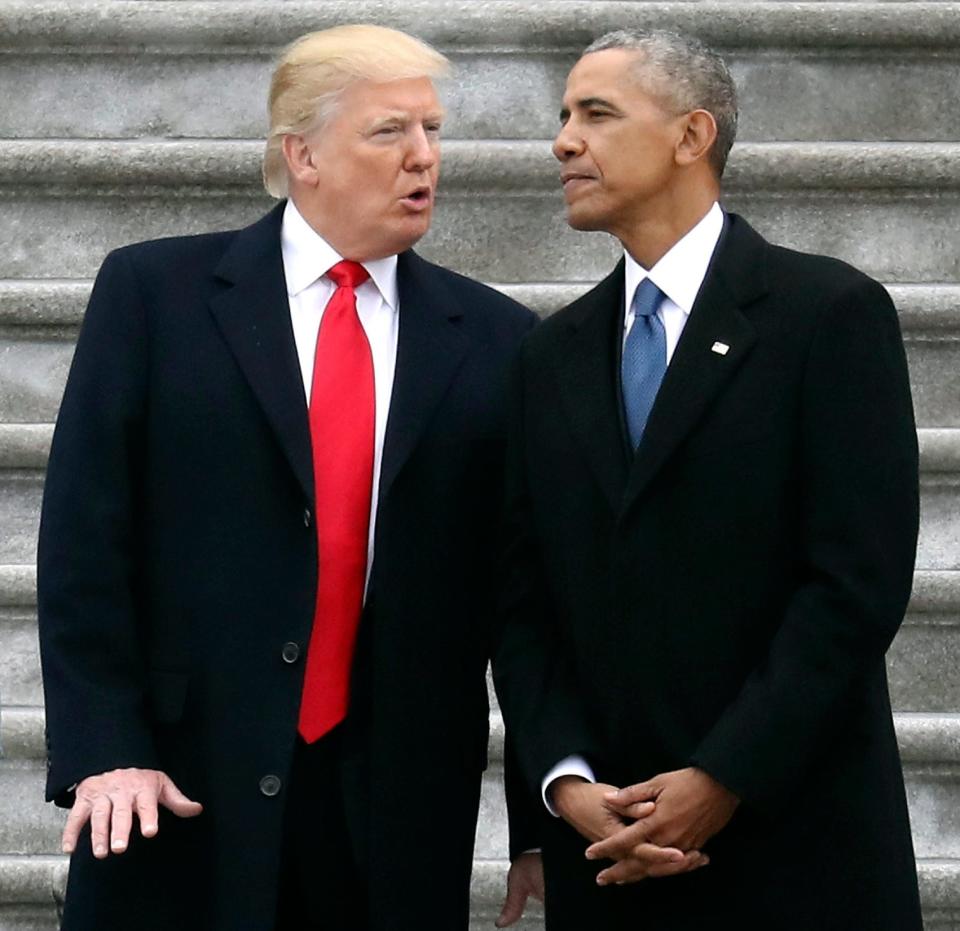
x=109, y=801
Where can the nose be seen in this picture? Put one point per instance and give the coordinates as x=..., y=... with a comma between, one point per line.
x=423, y=150
x=568, y=143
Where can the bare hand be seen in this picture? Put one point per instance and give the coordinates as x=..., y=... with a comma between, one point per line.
x=583, y=805
x=691, y=807
x=525, y=879
x=109, y=801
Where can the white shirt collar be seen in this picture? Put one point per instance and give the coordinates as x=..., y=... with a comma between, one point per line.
x=307, y=256
x=681, y=271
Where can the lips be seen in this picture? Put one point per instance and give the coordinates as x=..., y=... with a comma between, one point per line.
x=419, y=198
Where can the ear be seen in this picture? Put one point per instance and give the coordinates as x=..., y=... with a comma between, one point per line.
x=699, y=134
x=298, y=154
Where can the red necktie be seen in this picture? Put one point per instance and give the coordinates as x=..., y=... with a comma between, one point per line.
x=341, y=431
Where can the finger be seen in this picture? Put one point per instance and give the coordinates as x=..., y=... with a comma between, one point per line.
x=513, y=906
x=147, y=815
x=630, y=870
x=121, y=822
x=692, y=860
x=171, y=797
x=624, y=842
x=628, y=795
x=635, y=810
x=77, y=818
x=100, y=825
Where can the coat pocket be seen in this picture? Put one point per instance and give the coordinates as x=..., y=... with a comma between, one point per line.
x=167, y=695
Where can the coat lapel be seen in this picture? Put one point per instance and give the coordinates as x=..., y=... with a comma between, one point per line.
x=586, y=373
x=430, y=349
x=254, y=317
x=697, y=373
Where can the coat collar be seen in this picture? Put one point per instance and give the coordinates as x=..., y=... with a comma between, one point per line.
x=586, y=367
x=254, y=317
x=430, y=349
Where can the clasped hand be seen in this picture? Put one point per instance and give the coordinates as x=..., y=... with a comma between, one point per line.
x=652, y=829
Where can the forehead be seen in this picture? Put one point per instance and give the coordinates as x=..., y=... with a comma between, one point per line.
x=408, y=95
x=608, y=74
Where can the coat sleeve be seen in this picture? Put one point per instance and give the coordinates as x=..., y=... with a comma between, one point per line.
x=87, y=575
x=534, y=684
x=860, y=515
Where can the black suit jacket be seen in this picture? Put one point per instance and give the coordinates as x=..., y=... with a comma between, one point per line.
x=178, y=556
x=725, y=598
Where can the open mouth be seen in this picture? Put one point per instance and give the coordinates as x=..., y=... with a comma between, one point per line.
x=418, y=198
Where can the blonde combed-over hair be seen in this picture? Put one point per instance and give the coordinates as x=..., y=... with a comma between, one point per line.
x=317, y=67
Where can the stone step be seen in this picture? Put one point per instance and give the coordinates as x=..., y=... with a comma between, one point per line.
x=805, y=70
x=38, y=330
x=891, y=209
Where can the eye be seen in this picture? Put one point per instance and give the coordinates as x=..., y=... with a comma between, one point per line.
x=597, y=114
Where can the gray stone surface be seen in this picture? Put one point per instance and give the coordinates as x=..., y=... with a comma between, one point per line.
x=923, y=664
x=27, y=825
x=812, y=95
x=939, y=544
x=20, y=495
x=19, y=660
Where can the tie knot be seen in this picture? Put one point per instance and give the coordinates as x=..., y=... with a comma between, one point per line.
x=347, y=274
x=647, y=299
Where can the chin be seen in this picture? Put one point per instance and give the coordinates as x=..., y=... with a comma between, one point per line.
x=583, y=220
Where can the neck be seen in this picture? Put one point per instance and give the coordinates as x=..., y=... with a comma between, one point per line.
x=657, y=227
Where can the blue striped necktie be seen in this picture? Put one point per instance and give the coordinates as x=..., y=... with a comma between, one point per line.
x=644, y=359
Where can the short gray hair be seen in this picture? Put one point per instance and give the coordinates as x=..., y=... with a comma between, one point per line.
x=684, y=75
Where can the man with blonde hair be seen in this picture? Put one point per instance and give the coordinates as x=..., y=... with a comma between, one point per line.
x=265, y=563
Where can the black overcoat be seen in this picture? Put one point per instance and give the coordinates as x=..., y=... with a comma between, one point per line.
x=724, y=598
x=177, y=559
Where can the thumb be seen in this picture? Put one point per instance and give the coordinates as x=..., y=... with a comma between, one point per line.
x=171, y=797
x=513, y=905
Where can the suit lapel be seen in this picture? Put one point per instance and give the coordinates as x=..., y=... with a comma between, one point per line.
x=430, y=349
x=586, y=373
x=698, y=373
x=254, y=317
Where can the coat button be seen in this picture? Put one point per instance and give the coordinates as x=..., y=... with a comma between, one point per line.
x=307, y=517
x=290, y=652
x=270, y=785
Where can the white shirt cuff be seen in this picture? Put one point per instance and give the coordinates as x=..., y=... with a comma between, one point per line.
x=570, y=766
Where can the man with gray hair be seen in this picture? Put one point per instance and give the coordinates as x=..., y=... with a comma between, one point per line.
x=712, y=521
x=266, y=556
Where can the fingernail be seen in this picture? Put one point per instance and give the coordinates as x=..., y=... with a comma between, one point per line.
x=601, y=881
x=149, y=829
x=100, y=850
x=611, y=796
x=68, y=848
x=590, y=855
x=119, y=845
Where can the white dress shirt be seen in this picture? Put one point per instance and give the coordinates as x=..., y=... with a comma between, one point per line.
x=307, y=257
x=679, y=274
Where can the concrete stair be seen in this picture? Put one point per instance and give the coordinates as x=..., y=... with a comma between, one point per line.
x=128, y=120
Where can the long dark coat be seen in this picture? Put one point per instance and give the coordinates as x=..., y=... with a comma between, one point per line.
x=178, y=557
x=724, y=598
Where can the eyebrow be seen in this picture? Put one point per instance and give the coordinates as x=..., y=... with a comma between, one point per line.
x=404, y=116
